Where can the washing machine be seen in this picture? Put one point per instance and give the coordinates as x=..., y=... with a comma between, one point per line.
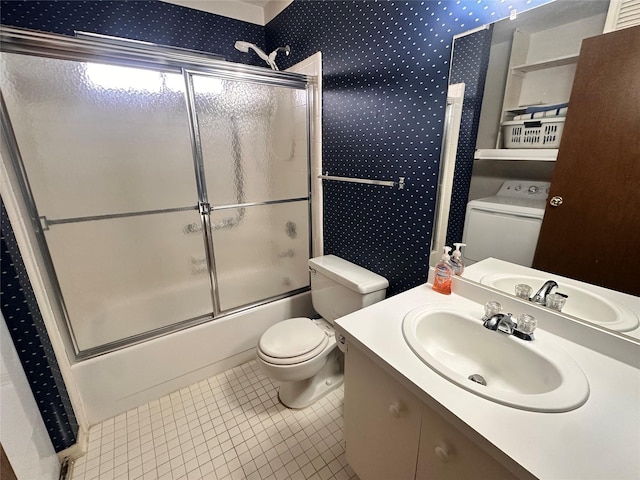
x=506, y=226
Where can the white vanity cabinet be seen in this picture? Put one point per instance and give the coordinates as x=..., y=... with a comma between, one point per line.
x=391, y=434
x=382, y=421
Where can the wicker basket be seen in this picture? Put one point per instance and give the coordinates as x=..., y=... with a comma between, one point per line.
x=540, y=133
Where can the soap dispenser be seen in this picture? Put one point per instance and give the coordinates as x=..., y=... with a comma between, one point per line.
x=442, y=280
x=456, y=259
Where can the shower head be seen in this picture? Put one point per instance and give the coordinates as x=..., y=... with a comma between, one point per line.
x=244, y=47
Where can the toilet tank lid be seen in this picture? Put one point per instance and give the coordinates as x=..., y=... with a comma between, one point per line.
x=348, y=274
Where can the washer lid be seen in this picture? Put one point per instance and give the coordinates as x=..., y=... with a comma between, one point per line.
x=291, y=338
x=515, y=206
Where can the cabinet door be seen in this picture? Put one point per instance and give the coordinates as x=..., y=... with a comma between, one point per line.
x=445, y=453
x=381, y=422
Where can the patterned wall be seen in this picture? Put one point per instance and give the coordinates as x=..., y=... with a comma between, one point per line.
x=469, y=66
x=29, y=335
x=385, y=71
x=149, y=21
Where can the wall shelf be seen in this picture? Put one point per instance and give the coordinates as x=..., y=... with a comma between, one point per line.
x=556, y=62
x=540, y=155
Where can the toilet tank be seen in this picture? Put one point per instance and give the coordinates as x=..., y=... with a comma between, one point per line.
x=339, y=287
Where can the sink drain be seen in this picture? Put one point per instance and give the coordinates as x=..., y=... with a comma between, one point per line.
x=478, y=379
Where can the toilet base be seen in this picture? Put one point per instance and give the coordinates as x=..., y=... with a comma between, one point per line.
x=301, y=394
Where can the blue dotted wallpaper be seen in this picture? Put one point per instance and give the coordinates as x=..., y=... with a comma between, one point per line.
x=149, y=21
x=22, y=315
x=385, y=76
x=469, y=66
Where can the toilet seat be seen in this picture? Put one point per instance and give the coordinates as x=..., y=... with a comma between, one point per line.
x=292, y=341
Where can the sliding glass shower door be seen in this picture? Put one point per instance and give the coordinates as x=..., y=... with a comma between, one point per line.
x=253, y=141
x=165, y=197
x=107, y=153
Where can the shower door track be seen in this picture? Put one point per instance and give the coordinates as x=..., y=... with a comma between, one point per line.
x=83, y=49
x=87, y=49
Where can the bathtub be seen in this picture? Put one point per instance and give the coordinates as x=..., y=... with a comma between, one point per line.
x=118, y=381
x=146, y=311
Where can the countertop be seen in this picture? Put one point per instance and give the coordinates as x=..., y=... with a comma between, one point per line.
x=599, y=440
x=479, y=270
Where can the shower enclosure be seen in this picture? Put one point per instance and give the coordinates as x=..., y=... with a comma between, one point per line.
x=167, y=189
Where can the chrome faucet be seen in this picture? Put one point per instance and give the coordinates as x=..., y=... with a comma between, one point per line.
x=500, y=322
x=504, y=323
x=541, y=295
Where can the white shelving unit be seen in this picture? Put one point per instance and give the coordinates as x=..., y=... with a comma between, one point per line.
x=540, y=71
x=534, y=78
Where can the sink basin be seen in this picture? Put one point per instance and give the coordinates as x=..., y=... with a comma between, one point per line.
x=581, y=303
x=535, y=375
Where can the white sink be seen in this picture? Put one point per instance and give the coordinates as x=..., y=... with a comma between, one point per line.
x=530, y=375
x=581, y=303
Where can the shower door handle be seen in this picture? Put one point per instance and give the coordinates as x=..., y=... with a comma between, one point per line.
x=204, y=208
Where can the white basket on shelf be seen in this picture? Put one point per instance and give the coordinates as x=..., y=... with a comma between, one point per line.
x=535, y=133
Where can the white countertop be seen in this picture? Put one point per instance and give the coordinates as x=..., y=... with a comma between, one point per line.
x=479, y=270
x=600, y=440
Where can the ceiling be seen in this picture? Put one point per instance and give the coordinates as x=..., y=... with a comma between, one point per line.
x=259, y=12
x=259, y=3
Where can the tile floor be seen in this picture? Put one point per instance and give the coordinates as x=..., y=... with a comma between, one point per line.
x=230, y=426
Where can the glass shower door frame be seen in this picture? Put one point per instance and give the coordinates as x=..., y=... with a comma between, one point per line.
x=205, y=207
x=62, y=47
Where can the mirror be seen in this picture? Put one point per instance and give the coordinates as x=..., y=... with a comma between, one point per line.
x=555, y=30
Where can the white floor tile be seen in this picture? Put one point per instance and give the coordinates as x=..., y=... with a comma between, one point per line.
x=228, y=427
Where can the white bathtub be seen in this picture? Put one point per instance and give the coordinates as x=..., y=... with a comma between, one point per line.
x=152, y=309
x=118, y=381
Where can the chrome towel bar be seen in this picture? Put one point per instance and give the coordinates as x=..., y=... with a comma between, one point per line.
x=384, y=183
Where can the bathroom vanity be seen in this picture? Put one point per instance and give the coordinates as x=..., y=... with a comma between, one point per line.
x=404, y=420
x=412, y=439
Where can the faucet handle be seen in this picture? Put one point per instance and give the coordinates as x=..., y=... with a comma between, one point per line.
x=523, y=291
x=526, y=323
x=491, y=308
x=525, y=326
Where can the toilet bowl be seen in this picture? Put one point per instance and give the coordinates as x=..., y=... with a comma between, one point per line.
x=301, y=353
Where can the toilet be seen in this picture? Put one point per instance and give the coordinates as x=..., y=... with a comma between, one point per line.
x=301, y=353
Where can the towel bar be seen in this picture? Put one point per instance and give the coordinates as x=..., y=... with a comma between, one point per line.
x=385, y=183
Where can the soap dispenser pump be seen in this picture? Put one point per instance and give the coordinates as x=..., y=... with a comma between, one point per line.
x=442, y=280
x=456, y=259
